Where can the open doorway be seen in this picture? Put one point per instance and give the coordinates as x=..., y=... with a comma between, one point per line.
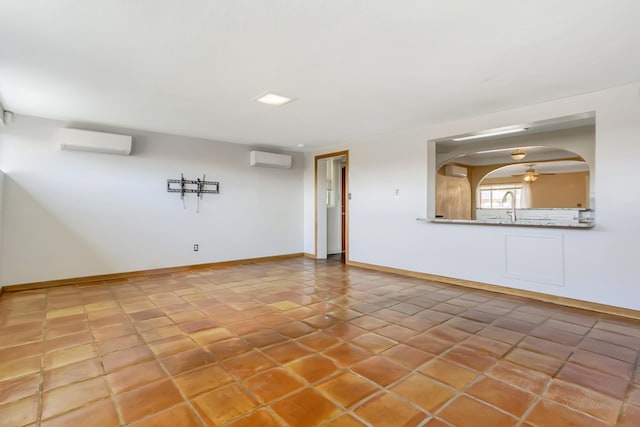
x=332, y=213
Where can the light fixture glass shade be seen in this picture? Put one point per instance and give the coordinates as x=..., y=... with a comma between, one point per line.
x=518, y=154
x=530, y=175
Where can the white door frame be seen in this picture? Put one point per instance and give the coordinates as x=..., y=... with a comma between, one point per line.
x=321, y=208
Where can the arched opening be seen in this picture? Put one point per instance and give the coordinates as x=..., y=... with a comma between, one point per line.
x=552, y=178
x=539, y=185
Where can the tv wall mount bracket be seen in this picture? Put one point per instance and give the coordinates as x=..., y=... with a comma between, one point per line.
x=197, y=186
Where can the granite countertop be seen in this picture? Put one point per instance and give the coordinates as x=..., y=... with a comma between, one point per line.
x=519, y=222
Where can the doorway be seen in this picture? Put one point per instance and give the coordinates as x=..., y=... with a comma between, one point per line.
x=332, y=206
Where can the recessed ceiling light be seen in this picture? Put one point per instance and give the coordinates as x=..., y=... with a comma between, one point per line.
x=300, y=145
x=274, y=99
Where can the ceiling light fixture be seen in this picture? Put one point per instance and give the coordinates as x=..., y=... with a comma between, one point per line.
x=518, y=154
x=274, y=99
x=490, y=133
x=530, y=175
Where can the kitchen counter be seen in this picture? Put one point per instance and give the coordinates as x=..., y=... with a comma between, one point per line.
x=535, y=217
x=521, y=223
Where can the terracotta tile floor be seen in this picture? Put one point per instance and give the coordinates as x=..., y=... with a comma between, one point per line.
x=304, y=343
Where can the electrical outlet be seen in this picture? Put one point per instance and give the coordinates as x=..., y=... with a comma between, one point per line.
x=196, y=247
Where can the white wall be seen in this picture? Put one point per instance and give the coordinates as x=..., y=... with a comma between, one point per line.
x=72, y=214
x=597, y=265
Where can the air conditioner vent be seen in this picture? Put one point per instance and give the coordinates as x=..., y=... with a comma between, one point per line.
x=96, y=142
x=269, y=160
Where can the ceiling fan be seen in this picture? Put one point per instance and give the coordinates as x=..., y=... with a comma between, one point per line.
x=530, y=175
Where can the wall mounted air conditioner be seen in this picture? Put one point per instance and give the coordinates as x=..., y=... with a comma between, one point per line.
x=269, y=160
x=453, y=170
x=96, y=142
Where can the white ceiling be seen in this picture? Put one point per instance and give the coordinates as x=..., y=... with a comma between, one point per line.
x=562, y=166
x=358, y=67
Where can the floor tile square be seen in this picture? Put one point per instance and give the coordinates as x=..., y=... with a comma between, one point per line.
x=202, y=379
x=187, y=360
x=448, y=373
x=537, y=361
x=135, y=376
x=386, y=410
x=345, y=331
x=312, y=368
x=131, y=356
x=259, y=418
x=295, y=329
x=286, y=352
x=172, y=345
x=102, y=413
x=429, y=344
x=222, y=405
x=508, y=398
x=345, y=421
x=595, y=380
x=264, y=338
x=248, y=364
x=318, y=341
x=602, y=363
x=73, y=396
x=210, y=336
x=19, y=388
x=380, y=370
x=424, y=392
x=347, y=389
x=161, y=333
x=465, y=412
x=550, y=414
x=306, y=408
x=630, y=416
x=479, y=361
x=69, y=355
x=147, y=400
x=346, y=354
x=584, y=400
x=406, y=356
x=178, y=416
x=519, y=376
x=373, y=342
x=116, y=344
x=273, y=384
x=69, y=374
x=20, y=412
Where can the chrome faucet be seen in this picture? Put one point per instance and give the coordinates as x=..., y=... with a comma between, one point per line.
x=512, y=212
